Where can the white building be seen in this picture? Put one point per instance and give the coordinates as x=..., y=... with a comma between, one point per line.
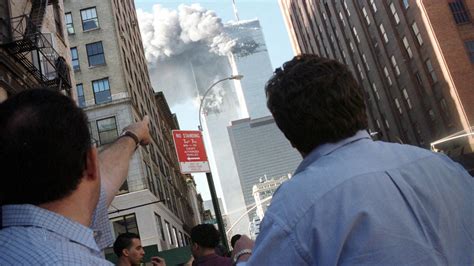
x=263, y=192
x=238, y=99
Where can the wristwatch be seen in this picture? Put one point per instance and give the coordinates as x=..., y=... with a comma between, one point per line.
x=132, y=135
x=240, y=253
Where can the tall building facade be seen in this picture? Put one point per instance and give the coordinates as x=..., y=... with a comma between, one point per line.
x=114, y=89
x=34, y=49
x=413, y=58
x=261, y=151
x=240, y=99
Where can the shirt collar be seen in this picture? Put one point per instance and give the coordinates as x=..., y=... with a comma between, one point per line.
x=328, y=148
x=30, y=215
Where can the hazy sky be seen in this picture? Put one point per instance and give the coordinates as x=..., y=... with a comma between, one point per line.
x=276, y=37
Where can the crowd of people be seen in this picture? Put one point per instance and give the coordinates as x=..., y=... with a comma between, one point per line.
x=352, y=200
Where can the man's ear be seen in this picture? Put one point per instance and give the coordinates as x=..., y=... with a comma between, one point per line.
x=92, y=164
x=125, y=252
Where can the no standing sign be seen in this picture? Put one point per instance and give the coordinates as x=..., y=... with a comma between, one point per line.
x=190, y=151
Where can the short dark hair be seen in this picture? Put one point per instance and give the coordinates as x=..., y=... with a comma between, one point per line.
x=124, y=241
x=205, y=235
x=44, y=139
x=234, y=239
x=315, y=100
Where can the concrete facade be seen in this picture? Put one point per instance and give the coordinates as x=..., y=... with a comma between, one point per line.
x=155, y=195
x=408, y=55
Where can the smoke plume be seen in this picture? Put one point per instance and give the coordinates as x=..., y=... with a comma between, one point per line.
x=184, y=49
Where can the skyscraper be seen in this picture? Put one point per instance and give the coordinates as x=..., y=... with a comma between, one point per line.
x=114, y=89
x=413, y=58
x=239, y=99
x=261, y=151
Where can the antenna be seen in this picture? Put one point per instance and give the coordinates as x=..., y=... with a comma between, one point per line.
x=235, y=11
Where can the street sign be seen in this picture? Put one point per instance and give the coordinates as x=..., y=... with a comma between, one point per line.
x=190, y=151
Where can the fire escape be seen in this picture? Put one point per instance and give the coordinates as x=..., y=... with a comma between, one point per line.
x=32, y=49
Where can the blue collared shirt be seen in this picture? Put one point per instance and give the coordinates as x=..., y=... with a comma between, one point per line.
x=365, y=202
x=35, y=236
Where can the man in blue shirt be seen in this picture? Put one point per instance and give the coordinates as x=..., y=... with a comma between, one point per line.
x=55, y=186
x=352, y=200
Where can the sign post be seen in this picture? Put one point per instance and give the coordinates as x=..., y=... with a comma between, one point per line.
x=191, y=152
x=192, y=158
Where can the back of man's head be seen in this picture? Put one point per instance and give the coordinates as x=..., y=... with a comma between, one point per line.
x=124, y=241
x=315, y=100
x=205, y=235
x=44, y=139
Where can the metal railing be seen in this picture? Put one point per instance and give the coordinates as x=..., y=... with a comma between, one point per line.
x=34, y=51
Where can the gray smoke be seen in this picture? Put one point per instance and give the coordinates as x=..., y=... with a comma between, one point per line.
x=185, y=50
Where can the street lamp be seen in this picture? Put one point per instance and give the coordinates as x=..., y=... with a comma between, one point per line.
x=236, y=77
x=210, y=181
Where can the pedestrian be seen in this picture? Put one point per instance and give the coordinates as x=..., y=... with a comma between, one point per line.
x=128, y=249
x=352, y=200
x=205, y=239
x=56, y=187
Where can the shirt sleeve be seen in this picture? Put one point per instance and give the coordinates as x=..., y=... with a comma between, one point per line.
x=100, y=222
x=276, y=245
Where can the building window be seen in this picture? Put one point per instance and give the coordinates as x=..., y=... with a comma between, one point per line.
x=69, y=23
x=395, y=65
x=123, y=188
x=80, y=95
x=459, y=11
x=444, y=108
x=374, y=7
x=355, y=34
x=387, y=76
x=470, y=49
x=407, y=47
x=365, y=62
x=406, y=4
x=168, y=229
x=175, y=236
x=399, y=107
x=125, y=224
x=394, y=13
x=384, y=34
x=75, y=59
x=430, y=69
x=107, y=129
x=347, y=9
x=374, y=87
x=342, y=18
x=387, y=125
x=160, y=226
x=95, y=54
x=101, y=91
x=417, y=33
x=432, y=115
x=181, y=237
x=58, y=20
x=89, y=19
x=366, y=16
x=360, y=71
x=407, y=99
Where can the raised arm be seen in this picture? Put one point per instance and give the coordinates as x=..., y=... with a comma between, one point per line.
x=114, y=161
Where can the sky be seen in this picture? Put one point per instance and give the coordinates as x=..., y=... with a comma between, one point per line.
x=276, y=37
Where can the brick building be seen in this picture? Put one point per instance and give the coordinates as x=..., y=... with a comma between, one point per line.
x=34, y=49
x=415, y=60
